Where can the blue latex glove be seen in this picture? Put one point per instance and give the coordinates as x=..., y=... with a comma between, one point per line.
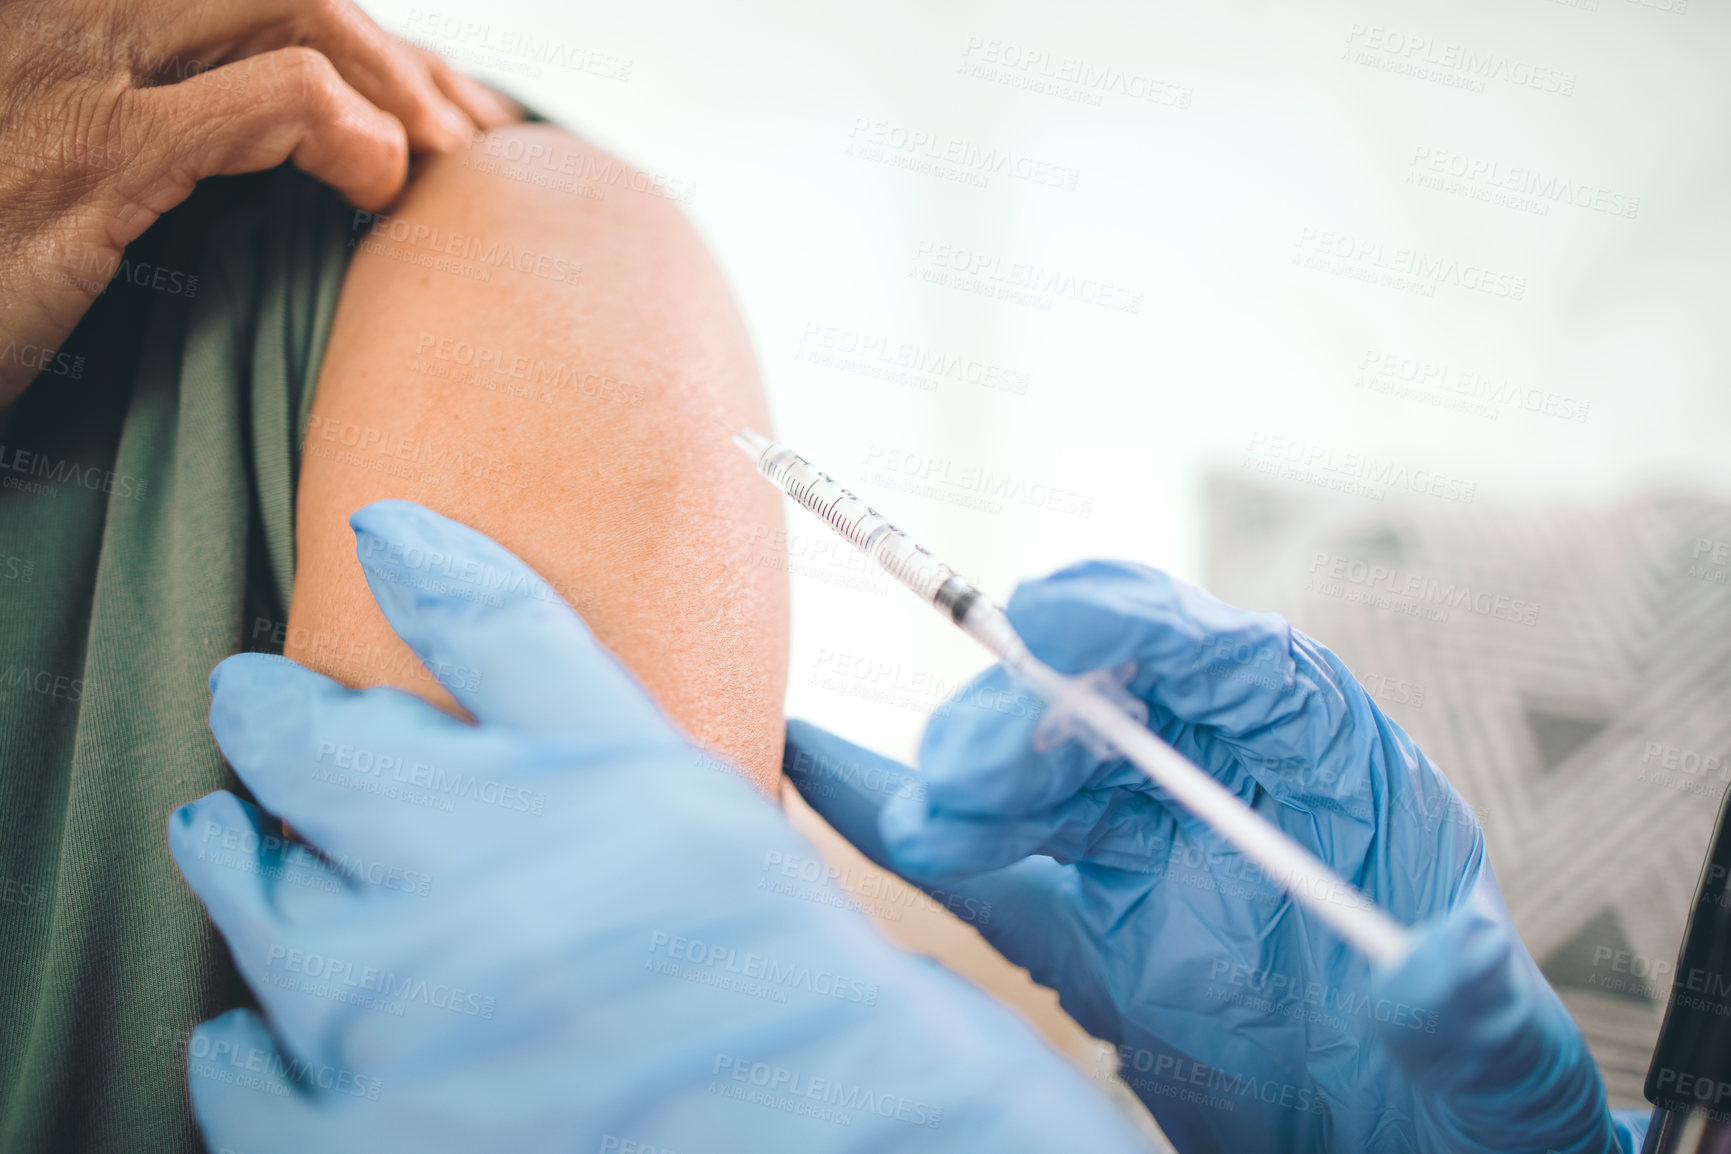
x=561, y=928
x=1241, y=1022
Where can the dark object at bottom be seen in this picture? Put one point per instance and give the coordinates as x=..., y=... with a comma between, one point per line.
x=1689, y=1080
x=1695, y=1132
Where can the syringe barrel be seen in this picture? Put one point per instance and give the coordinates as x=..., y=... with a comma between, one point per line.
x=872, y=533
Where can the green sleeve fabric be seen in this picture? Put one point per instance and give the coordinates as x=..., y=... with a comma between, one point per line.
x=147, y=483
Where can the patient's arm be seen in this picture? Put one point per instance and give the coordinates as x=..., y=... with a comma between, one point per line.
x=534, y=347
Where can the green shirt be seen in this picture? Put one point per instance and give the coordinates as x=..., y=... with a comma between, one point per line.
x=147, y=483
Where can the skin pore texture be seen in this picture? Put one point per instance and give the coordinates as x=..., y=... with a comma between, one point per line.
x=532, y=341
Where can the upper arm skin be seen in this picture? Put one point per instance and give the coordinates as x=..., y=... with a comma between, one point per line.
x=543, y=365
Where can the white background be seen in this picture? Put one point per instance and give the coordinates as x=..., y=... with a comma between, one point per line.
x=1199, y=209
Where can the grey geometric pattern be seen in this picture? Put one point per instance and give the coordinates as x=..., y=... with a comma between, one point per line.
x=1569, y=669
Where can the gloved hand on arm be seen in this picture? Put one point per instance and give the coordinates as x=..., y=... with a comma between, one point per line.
x=551, y=929
x=1241, y=1021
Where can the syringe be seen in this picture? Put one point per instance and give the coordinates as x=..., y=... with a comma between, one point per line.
x=1091, y=706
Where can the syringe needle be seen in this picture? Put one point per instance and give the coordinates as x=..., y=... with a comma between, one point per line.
x=1103, y=723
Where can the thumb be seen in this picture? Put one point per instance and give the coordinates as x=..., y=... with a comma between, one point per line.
x=253, y=115
x=848, y=786
x=1483, y=1037
x=247, y=1096
x=1030, y=911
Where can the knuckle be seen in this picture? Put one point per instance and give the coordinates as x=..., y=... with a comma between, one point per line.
x=309, y=80
x=326, y=12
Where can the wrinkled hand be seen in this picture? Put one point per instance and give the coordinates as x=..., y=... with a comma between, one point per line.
x=559, y=928
x=1242, y=1022
x=112, y=110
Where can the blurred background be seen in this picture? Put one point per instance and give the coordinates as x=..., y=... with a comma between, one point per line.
x=1406, y=320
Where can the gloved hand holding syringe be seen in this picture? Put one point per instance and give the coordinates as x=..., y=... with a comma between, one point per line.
x=1091, y=708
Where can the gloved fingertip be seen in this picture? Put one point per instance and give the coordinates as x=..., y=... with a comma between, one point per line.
x=217, y=804
x=904, y=824
x=978, y=754
x=1097, y=615
x=258, y=701
x=1449, y=952
x=193, y=826
x=227, y=1106
x=236, y=1023
x=250, y=671
x=812, y=755
x=180, y=820
x=384, y=519
x=234, y=661
x=902, y=819
x=401, y=541
x=398, y=542
x=1459, y=986
x=804, y=744
x=846, y=784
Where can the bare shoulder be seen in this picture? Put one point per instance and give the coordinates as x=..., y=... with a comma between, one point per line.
x=531, y=341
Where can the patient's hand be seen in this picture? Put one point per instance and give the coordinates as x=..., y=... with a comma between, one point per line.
x=112, y=110
x=532, y=342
